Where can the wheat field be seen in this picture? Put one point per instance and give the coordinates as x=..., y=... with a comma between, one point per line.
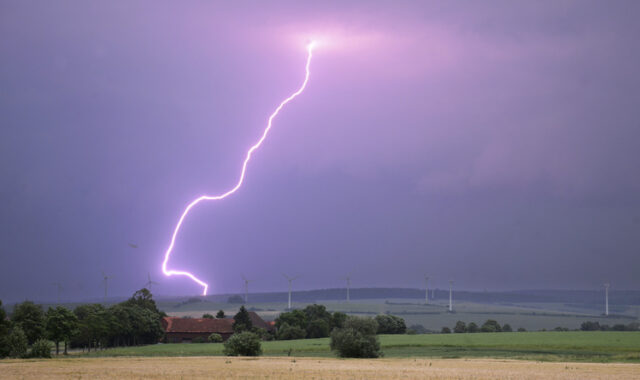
x=310, y=368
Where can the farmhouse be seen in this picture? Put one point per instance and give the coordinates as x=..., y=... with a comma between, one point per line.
x=185, y=330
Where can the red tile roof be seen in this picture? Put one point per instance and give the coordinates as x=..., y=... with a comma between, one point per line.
x=198, y=325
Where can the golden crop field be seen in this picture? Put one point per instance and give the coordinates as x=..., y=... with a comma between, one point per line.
x=310, y=368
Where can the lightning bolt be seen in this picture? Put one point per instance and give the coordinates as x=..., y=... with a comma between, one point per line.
x=171, y=272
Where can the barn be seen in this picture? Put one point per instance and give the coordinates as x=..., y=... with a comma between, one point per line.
x=185, y=330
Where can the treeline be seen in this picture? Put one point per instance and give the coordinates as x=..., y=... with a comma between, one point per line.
x=314, y=321
x=596, y=326
x=92, y=326
x=490, y=325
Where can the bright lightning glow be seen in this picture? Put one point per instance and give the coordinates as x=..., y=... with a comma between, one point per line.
x=171, y=272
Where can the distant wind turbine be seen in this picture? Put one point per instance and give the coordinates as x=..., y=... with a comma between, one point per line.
x=450, y=295
x=290, y=279
x=606, y=298
x=426, y=290
x=58, y=289
x=149, y=283
x=348, y=278
x=105, y=281
x=246, y=289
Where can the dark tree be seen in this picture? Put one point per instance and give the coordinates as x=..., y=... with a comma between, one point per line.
x=318, y=328
x=17, y=343
x=460, y=327
x=220, y=314
x=491, y=326
x=337, y=320
x=30, y=318
x=445, y=330
x=5, y=326
x=292, y=318
x=507, y=328
x=472, y=328
x=208, y=316
x=287, y=332
x=61, y=325
x=357, y=339
x=590, y=326
x=242, y=321
x=390, y=324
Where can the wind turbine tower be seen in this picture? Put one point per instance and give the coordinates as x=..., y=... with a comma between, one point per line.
x=58, y=288
x=105, y=281
x=246, y=289
x=149, y=282
x=450, y=295
x=348, y=287
x=606, y=298
x=290, y=279
x=426, y=290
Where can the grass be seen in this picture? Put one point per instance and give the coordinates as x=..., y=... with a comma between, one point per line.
x=546, y=346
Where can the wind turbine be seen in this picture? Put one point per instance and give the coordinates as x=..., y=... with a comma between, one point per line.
x=105, y=281
x=246, y=289
x=58, y=288
x=426, y=290
x=348, y=279
x=606, y=298
x=450, y=295
x=290, y=279
x=149, y=282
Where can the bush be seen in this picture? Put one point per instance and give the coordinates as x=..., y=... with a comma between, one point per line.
x=445, y=330
x=507, y=328
x=199, y=339
x=590, y=326
x=207, y=316
x=243, y=344
x=41, y=349
x=390, y=324
x=521, y=329
x=472, y=328
x=220, y=314
x=288, y=332
x=17, y=343
x=215, y=338
x=357, y=339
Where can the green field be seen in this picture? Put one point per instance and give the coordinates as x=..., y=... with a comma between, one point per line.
x=549, y=346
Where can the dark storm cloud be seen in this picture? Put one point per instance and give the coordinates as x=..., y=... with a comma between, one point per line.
x=494, y=143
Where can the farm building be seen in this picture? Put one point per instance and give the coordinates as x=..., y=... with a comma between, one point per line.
x=185, y=330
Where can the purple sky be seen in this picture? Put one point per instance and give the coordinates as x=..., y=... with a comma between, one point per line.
x=494, y=142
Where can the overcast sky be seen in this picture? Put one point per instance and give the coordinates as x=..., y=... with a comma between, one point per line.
x=495, y=143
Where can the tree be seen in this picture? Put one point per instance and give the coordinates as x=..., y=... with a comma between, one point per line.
x=472, y=328
x=337, y=319
x=41, y=349
x=220, y=314
x=292, y=318
x=287, y=332
x=460, y=327
x=417, y=329
x=507, y=328
x=318, y=328
x=61, y=324
x=390, y=324
x=357, y=339
x=92, y=325
x=5, y=328
x=445, y=330
x=17, y=343
x=244, y=343
x=215, y=338
x=30, y=318
x=590, y=326
x=491, y=326
x=242, y=321
x=521, y=329
x=208, y=316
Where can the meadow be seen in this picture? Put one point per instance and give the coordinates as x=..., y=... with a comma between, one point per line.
x=575, y=346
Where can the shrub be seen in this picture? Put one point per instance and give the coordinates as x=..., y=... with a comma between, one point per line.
x=507, y=328
x=17, y=343
x=521, y=329
x=199, y=339
x=445, y=330
x=41, y=349
x=590, y=326
x=357, y=339
x=207, y=316
x=288, y=332
x=472, y=328
x=215, y=338
x=418, y=329
x=220, y=314
x=390, y=324
x=243, y=344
